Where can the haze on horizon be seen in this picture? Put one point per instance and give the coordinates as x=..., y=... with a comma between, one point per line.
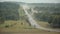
x=32, y=1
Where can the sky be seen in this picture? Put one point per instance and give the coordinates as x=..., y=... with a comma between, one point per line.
x=34, y=1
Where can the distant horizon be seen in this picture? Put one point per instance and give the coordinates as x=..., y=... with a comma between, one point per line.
x=32, y=1
x=13, y=1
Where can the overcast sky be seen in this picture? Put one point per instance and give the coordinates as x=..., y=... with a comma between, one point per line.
x=34, y=1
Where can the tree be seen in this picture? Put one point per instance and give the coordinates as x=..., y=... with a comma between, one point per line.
x=9, y=10
x=54, y=21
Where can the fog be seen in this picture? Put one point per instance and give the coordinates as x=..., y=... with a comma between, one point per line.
x=34, y=1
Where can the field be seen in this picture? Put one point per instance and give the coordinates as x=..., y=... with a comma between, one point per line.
x=15, y=27
x=22, y=27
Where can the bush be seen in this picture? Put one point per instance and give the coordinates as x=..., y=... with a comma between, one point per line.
x=54, y=21
x=2, y=20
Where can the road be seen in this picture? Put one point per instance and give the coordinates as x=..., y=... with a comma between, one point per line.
x=34, y=23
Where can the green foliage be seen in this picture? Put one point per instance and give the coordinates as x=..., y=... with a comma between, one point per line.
x=54, y=21
x=1, y=20
x=9, y=10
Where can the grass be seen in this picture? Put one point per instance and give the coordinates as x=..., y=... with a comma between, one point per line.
x=11, y=25
x=21, y=12
x=42, y=23
x=25, y=28
x=22, y=27
x=15, y=27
